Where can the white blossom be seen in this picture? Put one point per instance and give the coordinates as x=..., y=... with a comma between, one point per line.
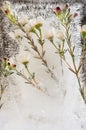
x=27, y=28
x=50, y=34
x=60, y=35
x=78, y=28
x=23, y=20
x=12, y=35
x=32, y=22
x=83, y=29
x=24, y=57
x=18, y=33
x=39, y=20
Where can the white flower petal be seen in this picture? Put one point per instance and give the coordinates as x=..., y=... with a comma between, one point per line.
x=51, y=33
x=18, y=33
x=32, y=22
x=40, y=20
x=24, y=57
x=27, y=28
x=60, y=35
x=23, y=20
x=12, y=35
x=83, y=28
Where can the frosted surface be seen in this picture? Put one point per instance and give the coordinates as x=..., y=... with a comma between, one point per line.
x=26, y=108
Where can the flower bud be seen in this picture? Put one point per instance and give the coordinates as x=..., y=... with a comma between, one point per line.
x=4, y=58
x=39, y=22
x=75, y=15
x=6, y=7
x=14, y=66
x=67, y=6
x=8, y=63
x=57, y=10
x=7, y=11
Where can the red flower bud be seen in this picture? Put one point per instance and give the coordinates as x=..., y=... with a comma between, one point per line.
x=4, y=59
x=14, y=66
x=75, y=15
x=8, y=63
x=7, y=11
x=67, y=5
x=57, y=10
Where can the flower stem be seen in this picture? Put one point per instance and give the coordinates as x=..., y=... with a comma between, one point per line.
x=55, y=45
x=63, y=58
x=27, y=79
x=31, y=75
x=76, y=71
x=31, y=82
x=31, y=42
x=2, y=89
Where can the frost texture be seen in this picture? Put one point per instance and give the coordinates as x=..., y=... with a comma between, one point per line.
x=26, y=108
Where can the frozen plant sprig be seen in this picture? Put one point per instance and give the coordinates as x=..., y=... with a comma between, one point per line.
x=65, y=17
x=34, y=47
x=19, y=33
x=31, y=79
x=19, y=23
x=6, y=69
x=83, y=36
x=36, y=29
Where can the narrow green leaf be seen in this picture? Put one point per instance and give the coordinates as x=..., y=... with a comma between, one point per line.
x=71, y=70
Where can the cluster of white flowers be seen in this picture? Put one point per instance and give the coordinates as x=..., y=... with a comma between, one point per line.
x=27, y=25
x=53, y=32
x=32, y=23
